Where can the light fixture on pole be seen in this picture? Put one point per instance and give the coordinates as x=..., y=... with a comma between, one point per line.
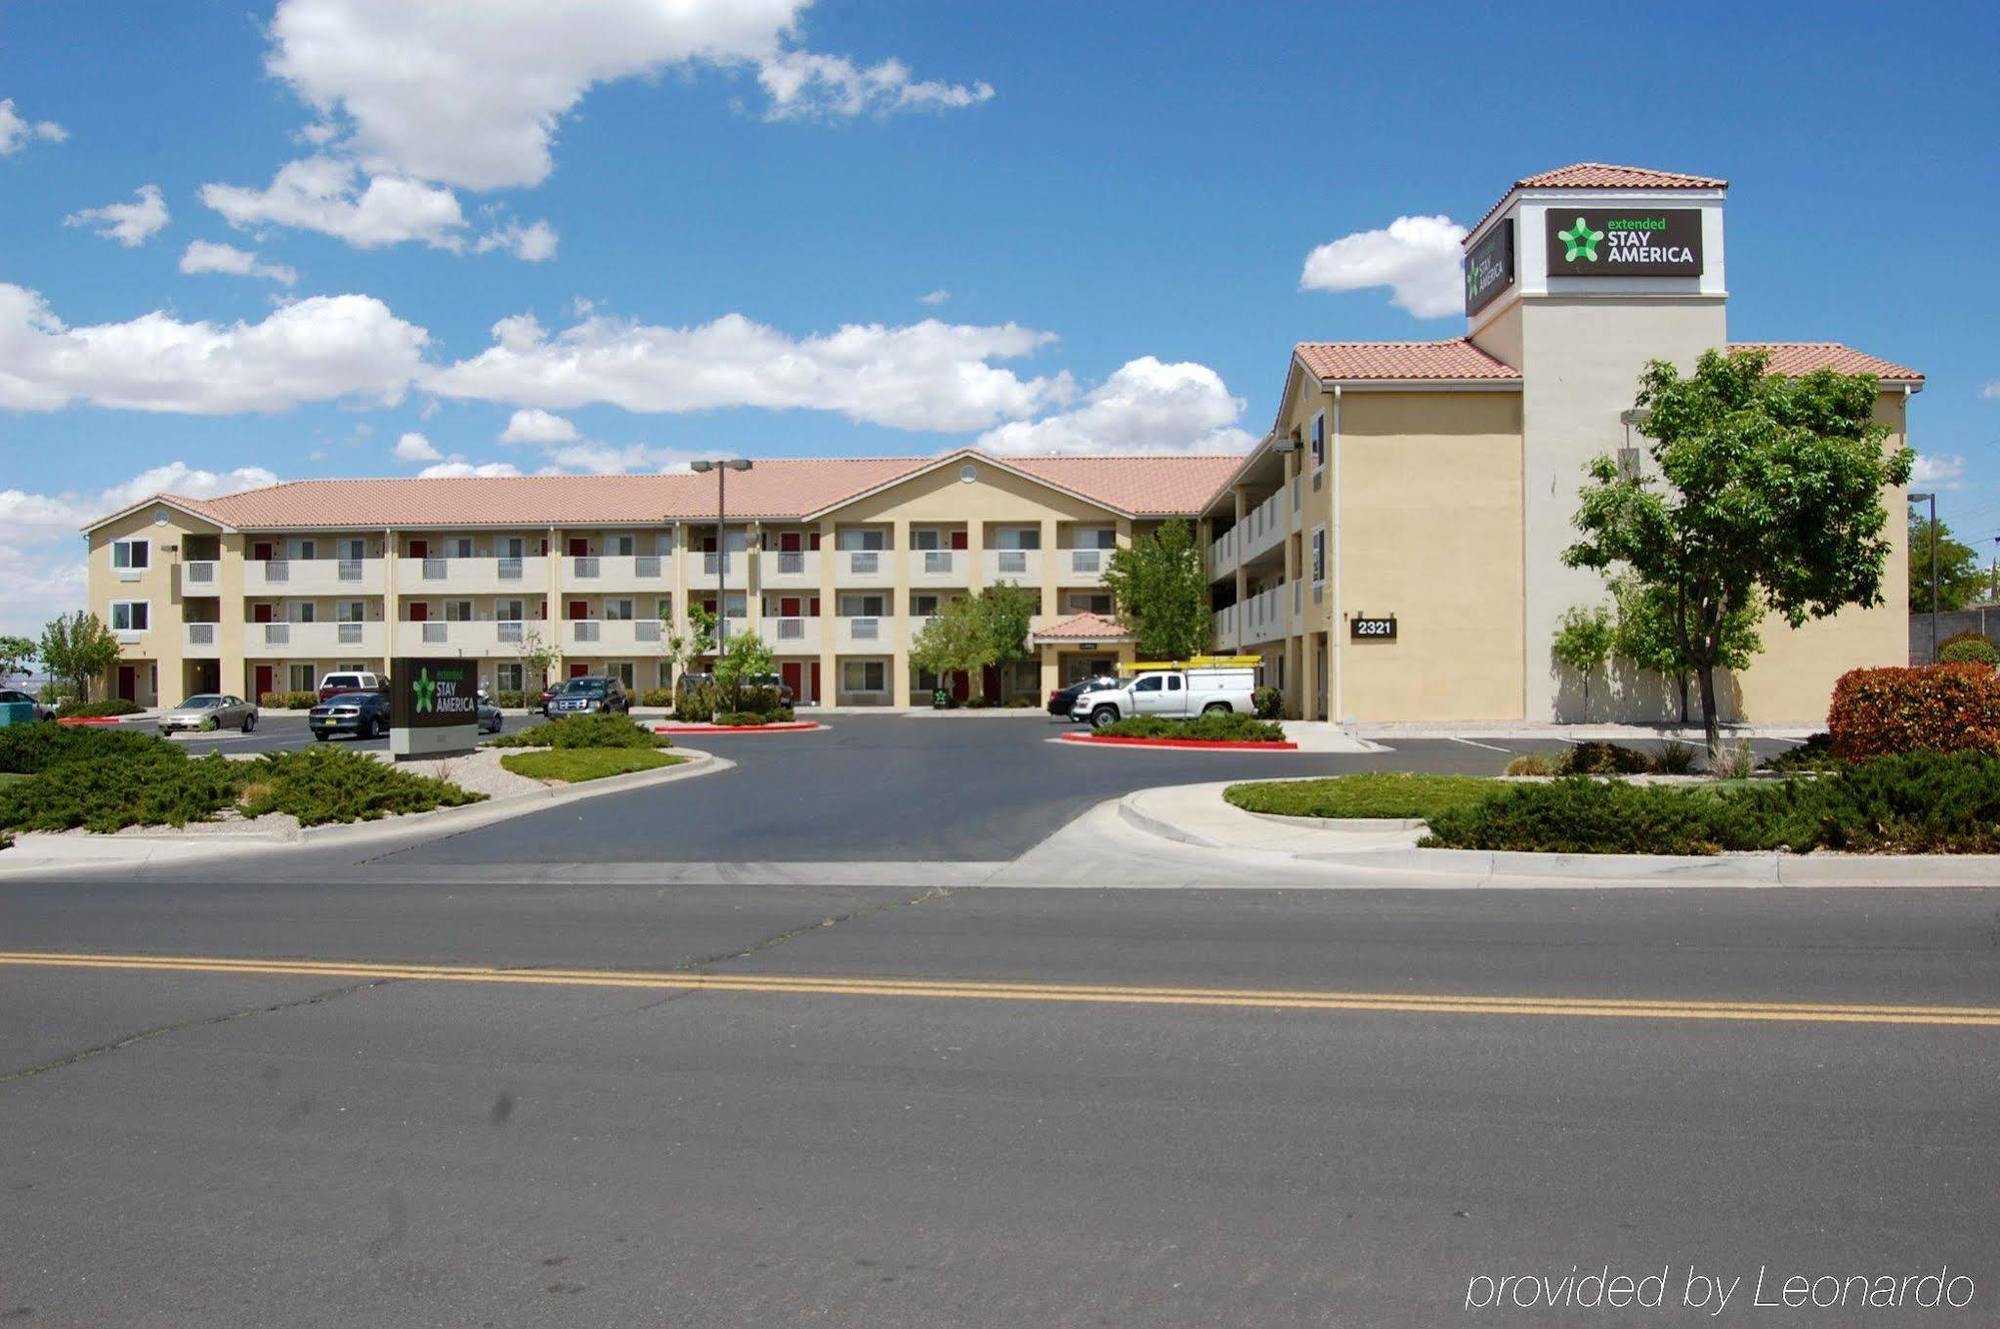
x=1932, y=500
x=722, y=470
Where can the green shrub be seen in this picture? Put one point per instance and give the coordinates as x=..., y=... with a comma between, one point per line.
x=1269, y=703
x=695, y=702
x=748, y=719
x=574, y=764
x=584, y=731
x=1372, y=794
x=1673, y=758
x=340, y=784
x=105, y=789
x=288, y=701
x=1600, y=758
x=1934, y=708
x=656, y=697
x=1969, y=649
x=1578, y=815
x=1815, y=754
x=26, y=749
x=97, y=710
x=1223, y=726
x=512, y=698
x=1915, y=803
x=1534, y=763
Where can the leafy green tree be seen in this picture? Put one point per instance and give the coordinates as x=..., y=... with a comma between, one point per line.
x=954, y=640
x=1646, y=635
x=1160, y=584
x=746, y=655
x=77, y=648
x=16, y=654
x=1006, y=614
x=539, y=656
x=701, y=632
x=1961, y=581
x=1583, y=643
x=1773, y=488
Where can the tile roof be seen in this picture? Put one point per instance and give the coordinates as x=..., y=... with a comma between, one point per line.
x=1081, y=627
x=775, y=488
x=1793, y=358
x=1601, y=175
x=1455, y=358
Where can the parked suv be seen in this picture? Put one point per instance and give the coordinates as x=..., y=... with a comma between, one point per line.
x=362, y=714
x=1174, y=693
x=334, y=684
x=591, y=692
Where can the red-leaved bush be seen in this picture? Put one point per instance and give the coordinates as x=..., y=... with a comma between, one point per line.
x=1937, y=708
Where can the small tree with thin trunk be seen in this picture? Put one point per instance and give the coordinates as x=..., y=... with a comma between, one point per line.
x=954, y=640
x=1160, y=584
x=539, y=656
x=1006, y=614
x=77, y=648
x=1646, y=635
x=745, y=656
x=1583, y=643
x=1767, y=487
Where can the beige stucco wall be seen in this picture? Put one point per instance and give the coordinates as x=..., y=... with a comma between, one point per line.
x=161, y=645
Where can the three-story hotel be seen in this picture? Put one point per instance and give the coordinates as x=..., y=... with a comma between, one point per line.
x=1391, y=548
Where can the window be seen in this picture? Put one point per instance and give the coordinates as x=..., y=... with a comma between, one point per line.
x=923, y=606
x=1150, y=683
x=1097, y=537
x=663, y=609
x=1319, y=440
x=1020, y=537
x=459, y=548
x=301, y=611
x=861, y=541
x=1319, y=555
x=131, y=615
x=1173, y=682
x=306, y=549
x=618, y=611
x=508, y=677
x=623, y=546
x=666, y=674
x=301, y=677
x=355, y=549
x=1090, y=604
x=624, y=674
x=513, y=547
x=864, y=676
x=131, y=555
x=863, y=606
x=927, y=539
x=458, y=611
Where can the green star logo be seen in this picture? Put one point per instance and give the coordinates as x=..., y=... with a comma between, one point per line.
x=426, y=690
x=1582, y=242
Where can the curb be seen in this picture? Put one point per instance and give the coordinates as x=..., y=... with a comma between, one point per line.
x=1163, y=828
x=1182, y=744
x=90, y=719
x=788, y=727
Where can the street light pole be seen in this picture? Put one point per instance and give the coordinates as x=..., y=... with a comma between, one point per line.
x=1931, y=498
x=722, y=470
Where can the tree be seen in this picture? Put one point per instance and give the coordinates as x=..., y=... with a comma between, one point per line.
x=701, y=632
x=1160, y=584
x=16, y=654
x=77, y=648
x=1583, y=642
x=539, y=657
x=954, y=640
x=1961, y=581
x=1773, y=489
x=746, y=655
x=1006, y=615
x=1646, y=635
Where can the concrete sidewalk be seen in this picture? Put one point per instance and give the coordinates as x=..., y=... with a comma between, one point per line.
x=1549, y=732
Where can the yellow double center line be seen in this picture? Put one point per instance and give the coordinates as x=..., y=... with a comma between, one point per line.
x=982, y=990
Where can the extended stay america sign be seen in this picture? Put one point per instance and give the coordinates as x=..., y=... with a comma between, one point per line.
x=1624, y=242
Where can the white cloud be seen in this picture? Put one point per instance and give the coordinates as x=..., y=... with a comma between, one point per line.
x=207, y=256
x=1415, y=257
x=802, y=84
x=16, y=132
x=538, y=426
x=928, y=375
x=1992, y=390
x=326, y=194
x=415, y=447
x=1146, y=406
x=530, y=244
x=1941, y=472
x=318, y=349
x=130, y=224
x=934, y=298
x=459, y=468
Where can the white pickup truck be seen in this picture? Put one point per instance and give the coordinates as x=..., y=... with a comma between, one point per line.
x=1174, y=693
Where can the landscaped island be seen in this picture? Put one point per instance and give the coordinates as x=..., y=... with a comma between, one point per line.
x=574, y=748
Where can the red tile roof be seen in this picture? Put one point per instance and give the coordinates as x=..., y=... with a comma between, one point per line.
x=1601, y=175
x=1792, y=358
x=1347, y=361
x=775, y=488
x=1081, y=627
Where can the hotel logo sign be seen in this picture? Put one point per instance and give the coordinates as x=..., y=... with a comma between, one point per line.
x=1624, y=242
x=1489, y=267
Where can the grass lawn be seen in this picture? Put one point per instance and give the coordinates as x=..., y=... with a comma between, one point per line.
x=1375, y=794
x=574, y=764
x=9, y=777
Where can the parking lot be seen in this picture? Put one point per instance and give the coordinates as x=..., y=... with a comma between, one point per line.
x=278, y=731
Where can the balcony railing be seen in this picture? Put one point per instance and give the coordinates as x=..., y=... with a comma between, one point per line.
x=427, y=576
x=713, y=563
x=864, y=562
x=584, y=629
x=1088, y=562
x=864, y=629
x=509, y=569
x=791, y=563
x=278, y=570
x=349, y=569
x=277, y=634
x=200, y=634
x=436, y=633
x=301, y=574
x=583, y=568
x=646, y=566
x=509, y=631
x=937, y=561
x=349, y=634
x=646, y=630
x=201, y=573
x=437, y=569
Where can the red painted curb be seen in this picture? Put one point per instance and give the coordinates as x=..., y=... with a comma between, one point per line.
x=1200, y=744
x=89, y=719
x=787, y=727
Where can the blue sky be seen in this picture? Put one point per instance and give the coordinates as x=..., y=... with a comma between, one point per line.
x=715, y=234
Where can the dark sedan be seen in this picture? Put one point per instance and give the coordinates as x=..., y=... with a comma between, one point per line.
x=1063, y=700
x=361, y=714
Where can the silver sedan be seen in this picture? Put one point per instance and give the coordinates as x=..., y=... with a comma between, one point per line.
x=209, y=711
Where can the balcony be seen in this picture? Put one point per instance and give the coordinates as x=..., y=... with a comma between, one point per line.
x=201, y=641
x=939, y=567
x=865, y=567
x=1222, y=553
x=787, y=569
x=1224, y=629
x=1084, y=567
x=314, y=641
x=865, y=635
x=201, y=577
x=431, y=576
x=614, y=636
x=1016, y=565
x=1265, y=526
x=312, y=576
x=793, y=636
x=710, y=569
x=1267, y=616
x=615, y=571
x=504, y=637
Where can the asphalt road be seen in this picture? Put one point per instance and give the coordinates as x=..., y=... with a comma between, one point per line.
x=425, y=1147
x=279, y=732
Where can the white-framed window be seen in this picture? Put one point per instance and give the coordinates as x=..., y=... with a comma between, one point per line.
x=301, y=611
x=927, y=538
x=1319, y=440
x=301, y=677
x=510, y=611
x=623, y=672
x=617, y=611
x=305, y=549
x=1319, y=555
x=351, y=611
x=859, y=540
x=622, y=546
x=1096, y=537
x=459, y=548
x=864, y=606
x=458, y=611
x=131, y=556
x=1090, y=602
x=131, y=615
x=507, y=677
x=1018, y=537
x=924, y=605
x=663, y=609
x=354, y=549
x=512, y=546
x=864, y=676
x=666, y=674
